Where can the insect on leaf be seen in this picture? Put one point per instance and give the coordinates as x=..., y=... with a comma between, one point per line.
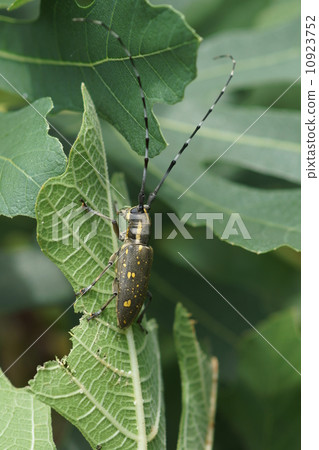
x=262, y=142
x=109, y=386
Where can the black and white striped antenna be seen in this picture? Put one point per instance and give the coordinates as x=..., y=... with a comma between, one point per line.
x=153, y=195
x=141, y=196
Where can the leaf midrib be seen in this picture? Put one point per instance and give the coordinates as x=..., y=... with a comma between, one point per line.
x=137, y=388
x=49, y=62
x=95, y=403
x=7, y=160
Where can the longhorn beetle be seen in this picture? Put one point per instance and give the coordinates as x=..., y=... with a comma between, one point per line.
x=134, y=258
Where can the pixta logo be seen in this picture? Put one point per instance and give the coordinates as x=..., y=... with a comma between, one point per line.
x=66, y=224
x=234, y=226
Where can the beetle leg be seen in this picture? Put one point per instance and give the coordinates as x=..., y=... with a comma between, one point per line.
x=110, y=264
x=97, y=313
x=96, y=213
x=146, y=305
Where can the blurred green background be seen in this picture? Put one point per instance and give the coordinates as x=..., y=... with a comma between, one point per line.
x=259, y=393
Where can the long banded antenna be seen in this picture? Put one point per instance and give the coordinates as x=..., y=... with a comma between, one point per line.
x=153, y=195
x=141, y=196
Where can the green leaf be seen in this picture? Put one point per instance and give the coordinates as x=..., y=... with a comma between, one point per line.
x=25, y=422
x=271, y=144
x=275, y=137
x=199, y=375
x=263, y=56
x=268, y=386
x=195, y=12
x=278, y=11
x=28, y=157
x=110, y=385
x=261, y=368
x=14, y=4
x=233, y=138
x=271, y=216
x=35, y=57
x=4, y=4
x=271, y=147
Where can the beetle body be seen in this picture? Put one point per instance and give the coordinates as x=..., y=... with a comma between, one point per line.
x=133, y=267
x=133, y=260
x=131, y=283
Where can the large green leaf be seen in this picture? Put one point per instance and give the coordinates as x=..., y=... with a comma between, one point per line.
x=261, y=368
x=28, y=157
x=271, y=216
x=110, y=384
x=25, y=422
x=263, y=56
x=278, y=11
x=261, y=141
x=36, y=57
x=270, y=147
x=268, y=141
x=199, y=375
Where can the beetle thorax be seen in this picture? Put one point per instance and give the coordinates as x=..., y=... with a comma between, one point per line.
x=138, y=227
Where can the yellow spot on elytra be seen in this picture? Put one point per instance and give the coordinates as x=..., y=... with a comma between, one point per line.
x=133, y=274
x=127, y=304
x=129, y=275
